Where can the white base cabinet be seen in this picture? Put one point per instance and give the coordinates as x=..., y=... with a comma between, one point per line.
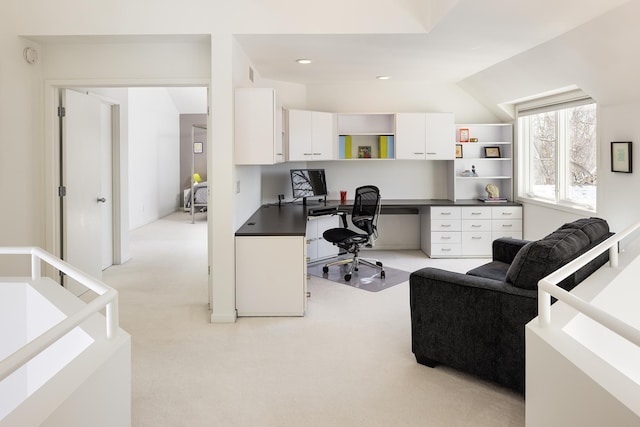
x=271, y=275
x=467, y=231
x=317, y=247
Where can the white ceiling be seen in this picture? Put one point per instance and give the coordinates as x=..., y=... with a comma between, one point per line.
x=474, y=35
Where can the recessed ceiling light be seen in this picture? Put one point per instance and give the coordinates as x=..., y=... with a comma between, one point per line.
x=383, y=77
x=303, y=61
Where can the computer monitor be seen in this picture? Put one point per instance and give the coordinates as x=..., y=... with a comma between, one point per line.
x=308, y=183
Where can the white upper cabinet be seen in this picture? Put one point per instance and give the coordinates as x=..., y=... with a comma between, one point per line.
x=411, y=136
x=311, y=135
x=440, y=130
x=258, y=127
x=424, y=136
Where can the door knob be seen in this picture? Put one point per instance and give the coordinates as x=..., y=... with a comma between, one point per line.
x=101, y=200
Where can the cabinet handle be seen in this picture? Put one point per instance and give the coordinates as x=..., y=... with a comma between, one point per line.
x=446, y=250
x=418, y=153
x=446, y=225
x=507, y=213
x=317, y=154
x=476, y=213
x=476, y=225
x=476, y=238
x=445, y=238
x=445, y=213
x=428, y=153
x=308, y=154
x=507, y=225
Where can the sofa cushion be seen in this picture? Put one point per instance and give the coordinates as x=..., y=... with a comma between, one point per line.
x=496, y=270
x=539, y=258
x=594, y=228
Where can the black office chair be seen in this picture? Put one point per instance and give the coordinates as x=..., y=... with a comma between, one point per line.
x=364, y=215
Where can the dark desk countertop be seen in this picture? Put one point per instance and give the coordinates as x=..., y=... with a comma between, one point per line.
x=291, y=219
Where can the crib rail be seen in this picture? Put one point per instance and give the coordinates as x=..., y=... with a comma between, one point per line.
x=107, y=298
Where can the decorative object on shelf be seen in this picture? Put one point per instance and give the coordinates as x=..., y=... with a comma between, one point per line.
x=492, y=191
x=469, y=173
x=492, y=152
x=493, y=194
x=345, y=150
x=343, y=197
x=364, y=151
x=458, y=151
x=473, y=139
x=621, y=157
x=386, y=147
x=463, y=135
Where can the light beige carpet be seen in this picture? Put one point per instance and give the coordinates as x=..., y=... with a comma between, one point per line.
x=348, y=362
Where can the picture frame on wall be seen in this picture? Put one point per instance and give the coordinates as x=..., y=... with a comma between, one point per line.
x=198, y=147
x=458, y=151
x=621, y=157
x=492, y=152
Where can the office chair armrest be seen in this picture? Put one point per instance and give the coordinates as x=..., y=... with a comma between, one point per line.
x=343, y=217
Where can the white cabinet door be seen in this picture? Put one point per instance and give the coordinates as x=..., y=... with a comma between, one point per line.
x=411, y=136
x=323, y=135
x=256, y=137
x=300, y=148
x=270, y=276
x=317, y=247
x=440, y=135
x=312, y=135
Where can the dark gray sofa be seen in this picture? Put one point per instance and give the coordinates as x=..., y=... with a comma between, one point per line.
x=475, y=322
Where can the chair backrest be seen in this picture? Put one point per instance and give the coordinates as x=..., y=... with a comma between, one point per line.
x=366, y=208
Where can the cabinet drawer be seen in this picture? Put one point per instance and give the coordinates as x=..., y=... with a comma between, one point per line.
x=445, y=212
x=445, y=225
x=445, y=250
x=476, y=212
x=506, y=212
x=476, y=225
x=476, y=243
x=440, y=238
x=506, y=225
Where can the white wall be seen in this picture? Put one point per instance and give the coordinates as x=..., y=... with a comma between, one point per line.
x=154, y=153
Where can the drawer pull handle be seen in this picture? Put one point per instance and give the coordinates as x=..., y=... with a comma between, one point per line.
x=445, y=238
x=446, y=250
x=446, y=225
x=476, y=213
x=475, y=226
x=507, y=213
x=476, y=238
x=507, y=225
x=445, y=213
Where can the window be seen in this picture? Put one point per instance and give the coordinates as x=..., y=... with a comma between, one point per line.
x=557, y=152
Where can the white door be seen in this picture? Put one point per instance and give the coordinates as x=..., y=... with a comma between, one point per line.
x=85, y=202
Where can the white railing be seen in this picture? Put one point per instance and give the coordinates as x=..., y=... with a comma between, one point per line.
x=547, y=287
x=108, y=299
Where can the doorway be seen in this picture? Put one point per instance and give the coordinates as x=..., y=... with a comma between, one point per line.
x=134, y=187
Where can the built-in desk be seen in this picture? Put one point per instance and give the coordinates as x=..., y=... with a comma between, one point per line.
x=271, y=248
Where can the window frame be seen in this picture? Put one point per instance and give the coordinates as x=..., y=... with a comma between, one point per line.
x=523, y=153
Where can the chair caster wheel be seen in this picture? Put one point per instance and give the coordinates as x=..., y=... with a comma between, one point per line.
x=382, y=274
x=347, y=277
x=325, y=269
x=378, y=263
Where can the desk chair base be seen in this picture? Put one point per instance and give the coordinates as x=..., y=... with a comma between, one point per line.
x=355, y=264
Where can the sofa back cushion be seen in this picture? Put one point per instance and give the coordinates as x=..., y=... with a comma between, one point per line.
x=539, y=258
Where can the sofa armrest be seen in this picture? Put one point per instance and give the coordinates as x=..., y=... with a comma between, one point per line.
x=470, y=323
x=505, y=249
